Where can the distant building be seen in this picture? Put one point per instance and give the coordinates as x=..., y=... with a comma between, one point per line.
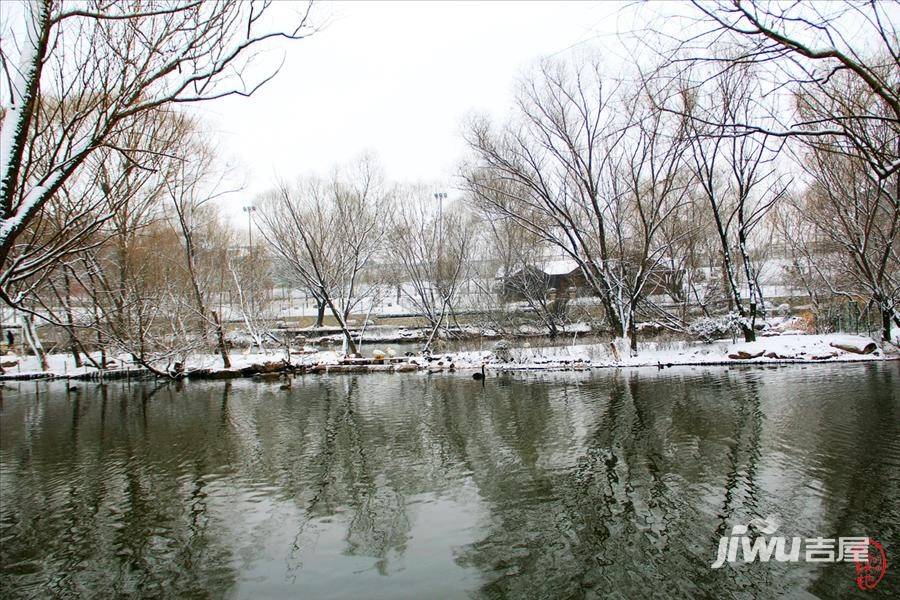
x=562, y=275
x=565, y=276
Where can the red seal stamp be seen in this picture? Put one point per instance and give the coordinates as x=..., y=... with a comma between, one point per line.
x=870, y=571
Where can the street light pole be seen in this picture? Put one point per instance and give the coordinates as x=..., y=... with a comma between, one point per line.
x=249, y=210
x=440, y=196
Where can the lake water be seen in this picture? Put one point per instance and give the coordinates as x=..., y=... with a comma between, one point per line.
x=560, y=485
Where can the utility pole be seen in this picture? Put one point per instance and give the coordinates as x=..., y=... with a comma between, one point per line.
x=440, y=197
x=249, y=210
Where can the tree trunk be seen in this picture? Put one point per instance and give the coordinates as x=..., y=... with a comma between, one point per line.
x=633, y=334
x=726, y=285
x=437, y=326
x=748, y=332
x=76, y=355
x=29, y=332
x=70, y=321
x=123, y=275
x=886, y=315
x=351, y=346
x=320, y=312
x=202, y=309
x=615, y=322
x=102, y=349
x=220, y=338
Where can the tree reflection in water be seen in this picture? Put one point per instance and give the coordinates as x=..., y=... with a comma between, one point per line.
x=560, y=485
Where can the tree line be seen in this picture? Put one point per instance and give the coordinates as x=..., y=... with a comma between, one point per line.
x=667, y=184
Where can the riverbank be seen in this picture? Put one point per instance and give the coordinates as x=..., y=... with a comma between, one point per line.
x=781, y=349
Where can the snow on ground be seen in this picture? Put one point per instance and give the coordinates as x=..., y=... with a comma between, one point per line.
x=776, y=349
x=62, y=365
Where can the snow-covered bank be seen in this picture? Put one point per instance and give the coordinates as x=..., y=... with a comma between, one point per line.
x=209, y=366
x=788, y=348
x=791, y=348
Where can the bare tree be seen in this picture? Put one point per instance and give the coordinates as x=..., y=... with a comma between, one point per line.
x=106, y=205
x=533, y=287
x=811, y=264
x=515, y=277
x=194, y=186
x=250, y=290
x=592, y=170
x=110, y=195
x=802, y=47
x=148, y=314
x=432, y=246
x=857, y=215
x=737, y=175
x=79, y=76
x=146, y=277
x=327, y=232
x=838, y=61
x=686, y=272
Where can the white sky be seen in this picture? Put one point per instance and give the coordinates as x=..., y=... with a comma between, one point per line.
x=397, y=79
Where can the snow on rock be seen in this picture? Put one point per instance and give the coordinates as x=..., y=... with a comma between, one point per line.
x=804, y=347
x=62, y=365
x=504, y=356
x=855, y=343
x=780, y=349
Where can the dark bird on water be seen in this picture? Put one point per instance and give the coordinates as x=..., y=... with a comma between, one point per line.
x=479, y=376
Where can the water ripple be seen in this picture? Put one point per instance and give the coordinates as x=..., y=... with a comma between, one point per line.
x=613, y=483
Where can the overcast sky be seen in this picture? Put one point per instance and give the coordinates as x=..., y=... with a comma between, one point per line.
x=397, y=79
